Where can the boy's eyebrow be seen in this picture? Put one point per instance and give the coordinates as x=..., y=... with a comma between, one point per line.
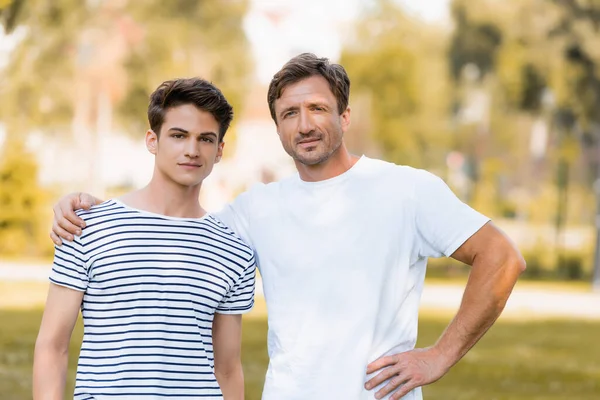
x=185, y=131
x=208, y=133
x=178, y=129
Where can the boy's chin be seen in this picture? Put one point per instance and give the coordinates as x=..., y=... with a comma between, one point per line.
x=188, y=182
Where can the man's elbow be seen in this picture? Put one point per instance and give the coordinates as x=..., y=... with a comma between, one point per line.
x=518, y=263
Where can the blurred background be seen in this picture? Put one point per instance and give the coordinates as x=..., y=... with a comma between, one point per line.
x=501, y=98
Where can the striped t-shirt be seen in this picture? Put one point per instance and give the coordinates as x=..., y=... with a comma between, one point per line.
x=152, y=284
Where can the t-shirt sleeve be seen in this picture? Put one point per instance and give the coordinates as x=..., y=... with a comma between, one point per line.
x=237, y=214
x=240, y=298
x=69, y=268
x=443, y=222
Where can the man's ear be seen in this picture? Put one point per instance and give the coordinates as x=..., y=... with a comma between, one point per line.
x=152, y=141
x=220, y=147
x=345, y=119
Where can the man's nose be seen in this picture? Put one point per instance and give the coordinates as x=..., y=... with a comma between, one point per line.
x=305, y=123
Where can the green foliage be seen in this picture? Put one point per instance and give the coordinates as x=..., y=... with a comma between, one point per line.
x=474, y=42
x=22, y=204
x=180, y=39
x=544, y=263
x=37, y=82
x=9, y=13
x=72, y=49
x=398, y=64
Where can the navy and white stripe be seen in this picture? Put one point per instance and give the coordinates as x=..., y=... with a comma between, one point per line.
x=152, y=285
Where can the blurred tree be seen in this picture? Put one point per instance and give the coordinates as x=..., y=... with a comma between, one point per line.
x=9, y=12
x=84, y=67
x=398, y=63
x=35, y=83
x=473, y=42
x=545, y=69
x=22, y=204
x=185, y=38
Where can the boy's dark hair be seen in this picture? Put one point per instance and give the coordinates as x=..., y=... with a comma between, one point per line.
x=196, y=91
x=304, y=66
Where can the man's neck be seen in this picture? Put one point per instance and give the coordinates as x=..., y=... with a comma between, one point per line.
x=168, y=198
x=339, y=162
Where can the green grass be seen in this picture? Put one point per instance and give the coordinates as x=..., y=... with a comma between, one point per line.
x=515, y=361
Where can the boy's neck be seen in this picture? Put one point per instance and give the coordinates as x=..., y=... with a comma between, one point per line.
x=167, y=198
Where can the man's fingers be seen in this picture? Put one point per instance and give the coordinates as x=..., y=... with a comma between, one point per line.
x=55, y=238
x=382, y=377
x=64, y=213
x=382, y=363
x=60, y=233
x=86, y=200
x=70, y=223
x=403, y=391
x=392, y=385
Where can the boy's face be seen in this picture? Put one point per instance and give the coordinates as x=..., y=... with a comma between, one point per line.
x=188, y=146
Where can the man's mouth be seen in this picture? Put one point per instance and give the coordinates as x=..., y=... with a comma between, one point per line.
x=308, y=142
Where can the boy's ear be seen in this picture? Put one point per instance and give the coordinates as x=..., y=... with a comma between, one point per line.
x=152, y=141
x=219, y=152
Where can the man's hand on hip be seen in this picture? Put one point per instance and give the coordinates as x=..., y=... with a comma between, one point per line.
x=406, y=371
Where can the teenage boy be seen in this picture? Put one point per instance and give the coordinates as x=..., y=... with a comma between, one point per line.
x=161, y=284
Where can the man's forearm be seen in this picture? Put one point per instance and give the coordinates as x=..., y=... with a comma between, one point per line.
x=49, y=373
x=231, y=383
x=484, y=299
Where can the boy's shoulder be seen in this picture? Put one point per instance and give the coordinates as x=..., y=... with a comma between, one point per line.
x=223, y=229
x=99, y=216
x=101, y=211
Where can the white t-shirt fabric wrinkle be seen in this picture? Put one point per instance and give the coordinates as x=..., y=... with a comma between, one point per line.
x=343, y=264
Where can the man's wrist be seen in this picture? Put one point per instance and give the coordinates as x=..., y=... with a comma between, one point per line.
x=445, y=356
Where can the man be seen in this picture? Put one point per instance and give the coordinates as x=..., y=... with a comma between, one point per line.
x=161, y=283
x=342, y=249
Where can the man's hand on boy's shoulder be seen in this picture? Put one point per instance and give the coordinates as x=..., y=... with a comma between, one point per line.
x=66, y=223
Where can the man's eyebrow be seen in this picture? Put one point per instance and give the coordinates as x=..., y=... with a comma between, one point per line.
x=290, y=108
x=318, y=104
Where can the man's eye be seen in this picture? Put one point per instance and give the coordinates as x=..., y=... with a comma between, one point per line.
x=178, y=136
x=289, y=114
x=207, y=139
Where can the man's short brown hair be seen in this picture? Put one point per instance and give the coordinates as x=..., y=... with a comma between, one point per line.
x=304, y=66
x=195, y=91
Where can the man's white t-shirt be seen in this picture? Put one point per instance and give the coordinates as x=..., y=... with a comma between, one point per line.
x=343, y=263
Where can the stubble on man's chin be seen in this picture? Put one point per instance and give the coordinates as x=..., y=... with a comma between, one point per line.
x=311, y=162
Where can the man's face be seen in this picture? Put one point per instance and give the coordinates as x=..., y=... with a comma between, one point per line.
x=188, y=146
x=308, y=122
